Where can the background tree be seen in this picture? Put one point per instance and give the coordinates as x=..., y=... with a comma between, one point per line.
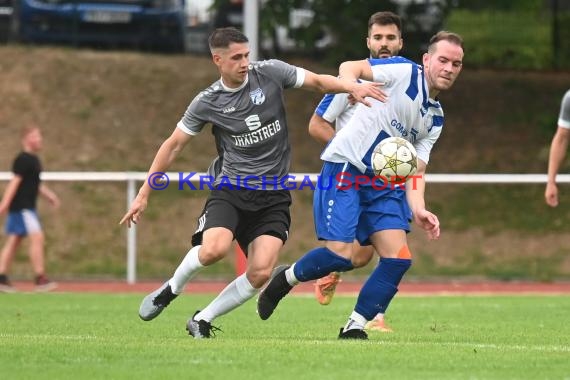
x=346, y=22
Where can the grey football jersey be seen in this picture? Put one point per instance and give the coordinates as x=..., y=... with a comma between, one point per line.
x=249, y=123
x=564, y=117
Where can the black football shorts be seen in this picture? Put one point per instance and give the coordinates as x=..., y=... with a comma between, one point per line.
x=247, y=213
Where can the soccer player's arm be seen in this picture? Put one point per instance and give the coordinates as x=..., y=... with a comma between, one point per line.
x=10, y=193
x=320, y=129
x=558, y=149
x=165, y=156
x=415, y=190
x=49, y=194
x=329, y=84
x=322, y=123
x=353, y=70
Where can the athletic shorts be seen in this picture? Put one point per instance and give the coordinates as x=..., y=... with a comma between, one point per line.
x=344, y=213
x=22, y=223
x=248, y=214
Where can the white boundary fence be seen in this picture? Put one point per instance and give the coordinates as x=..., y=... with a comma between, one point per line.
x=132, y=178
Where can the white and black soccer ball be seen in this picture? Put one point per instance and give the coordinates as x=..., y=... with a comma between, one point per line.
x=394, y=159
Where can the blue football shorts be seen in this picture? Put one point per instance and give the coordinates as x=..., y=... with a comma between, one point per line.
x=347, y=207
x=22, y=223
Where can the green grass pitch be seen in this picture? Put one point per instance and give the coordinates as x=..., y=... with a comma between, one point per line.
x=99, y=336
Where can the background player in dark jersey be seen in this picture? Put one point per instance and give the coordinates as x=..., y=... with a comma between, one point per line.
x=19, y=201
x=245, y=107
x=332, y=114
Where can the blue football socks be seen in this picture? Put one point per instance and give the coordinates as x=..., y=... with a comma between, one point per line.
x=318, y=263
x=381, y=287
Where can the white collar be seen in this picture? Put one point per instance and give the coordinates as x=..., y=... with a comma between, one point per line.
x=230, y=89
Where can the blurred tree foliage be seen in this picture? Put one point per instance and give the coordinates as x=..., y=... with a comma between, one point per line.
x=519, y=34
x=501, y=5
x=346, y=22
x=523, y=34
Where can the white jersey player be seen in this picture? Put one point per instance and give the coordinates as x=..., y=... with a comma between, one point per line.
x=409, y=114
x=384, y=40
x=372, y=216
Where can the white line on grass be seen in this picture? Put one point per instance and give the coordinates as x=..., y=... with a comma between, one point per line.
x=503, y=347
x=512, y=347
x=47, y=336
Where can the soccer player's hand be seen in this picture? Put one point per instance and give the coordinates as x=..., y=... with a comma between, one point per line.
x=135, y=211
x=551, y=194
x=371, y=89
x=428, y=222
x=55, y=202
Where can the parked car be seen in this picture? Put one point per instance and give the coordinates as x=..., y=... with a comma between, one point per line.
x=159, y=24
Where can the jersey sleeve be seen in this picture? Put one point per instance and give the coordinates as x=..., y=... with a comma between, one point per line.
x=381, y=71
x=289, y=75
x=390, y=70
x=21, y=165
x=331, y=106
x=564, y=117
x=192, y=123
x=424, y=146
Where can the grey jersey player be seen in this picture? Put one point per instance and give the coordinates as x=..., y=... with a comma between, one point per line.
x=249, y=123
x=558, y=149
x=245, y=107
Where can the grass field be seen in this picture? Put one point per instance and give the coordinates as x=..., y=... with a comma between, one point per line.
x=96, y=336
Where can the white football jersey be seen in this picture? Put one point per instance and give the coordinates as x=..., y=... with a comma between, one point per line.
x=564, y=117
x=335, y=108
x=408, y=113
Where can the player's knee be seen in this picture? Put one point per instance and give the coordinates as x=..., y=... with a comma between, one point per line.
x=359, y=262
x=404, y=253
x=213, y=251
x=340, y=248
x=37, y=238
x=362, y=256
x=258, y=277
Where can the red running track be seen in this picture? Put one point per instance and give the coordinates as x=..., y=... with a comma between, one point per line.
x=411, y=288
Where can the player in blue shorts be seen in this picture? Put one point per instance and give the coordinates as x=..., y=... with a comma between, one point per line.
x=247, y=111
x=19, y=201
x=384, y=40
x=358, y=206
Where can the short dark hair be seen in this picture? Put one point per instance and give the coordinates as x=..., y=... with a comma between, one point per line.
x=444, y=35
x=385, y=18
x=223, y=37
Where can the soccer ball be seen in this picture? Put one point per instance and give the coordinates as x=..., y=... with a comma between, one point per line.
x=394, y=159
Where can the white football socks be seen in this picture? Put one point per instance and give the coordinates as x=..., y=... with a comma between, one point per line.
x=236, y=293
x=355, y=321
x=187, y=269
x=290, y=276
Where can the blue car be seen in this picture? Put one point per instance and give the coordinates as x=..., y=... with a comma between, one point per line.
x=156, y=24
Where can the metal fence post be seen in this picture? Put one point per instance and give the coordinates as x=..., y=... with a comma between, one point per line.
x=131, y=236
